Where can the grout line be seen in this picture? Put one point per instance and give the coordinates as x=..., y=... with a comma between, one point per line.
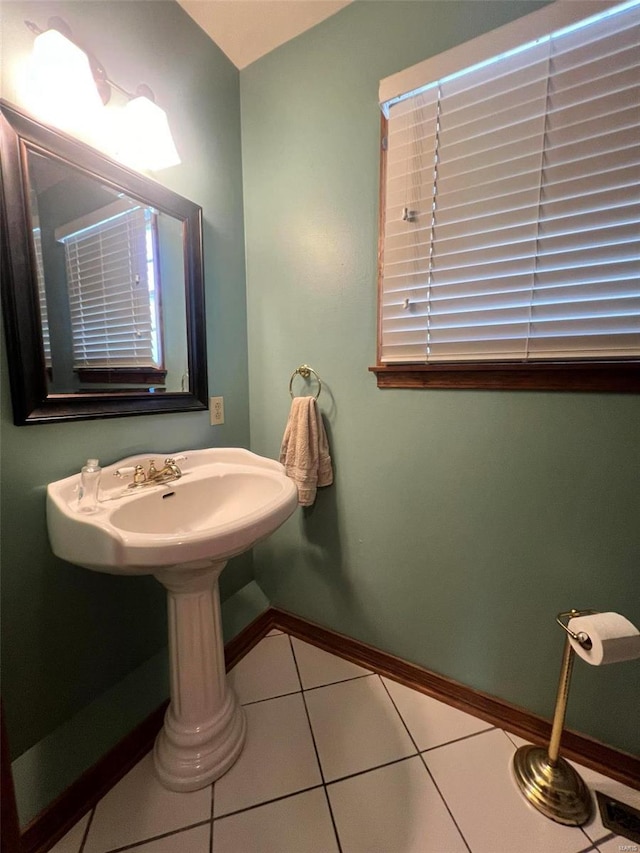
x=411, y=738
x=591, y=849
x=213, y=785
x=263, y=803
x=589, y=840
x=340, y=681
x=315, y=746
x=458, y=739
x=446, y=805
x=333, y=820
x=370, y=769
x=304, y=701
x=269, y=698
x=508, y=734
x=87, y=828
x=610, y=836
x=168, y=834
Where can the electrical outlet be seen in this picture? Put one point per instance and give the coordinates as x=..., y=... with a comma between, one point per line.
x=216, y=408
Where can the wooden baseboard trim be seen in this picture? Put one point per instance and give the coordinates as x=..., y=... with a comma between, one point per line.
x=54, y=821
x=238, y=647
x=611, y=762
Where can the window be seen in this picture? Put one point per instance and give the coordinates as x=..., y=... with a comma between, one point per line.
x=510, y=208
x=113, y=295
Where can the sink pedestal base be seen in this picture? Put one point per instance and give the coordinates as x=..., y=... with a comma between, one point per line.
x=204, y=727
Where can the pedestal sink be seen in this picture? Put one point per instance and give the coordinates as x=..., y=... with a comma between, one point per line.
x=182, y=532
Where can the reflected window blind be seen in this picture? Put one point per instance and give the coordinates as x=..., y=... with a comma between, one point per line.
x=512, y=205
x=42, y=296
x=108, y=280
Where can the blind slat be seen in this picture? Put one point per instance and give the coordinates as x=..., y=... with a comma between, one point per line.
x=109, y=299
x=521, y=176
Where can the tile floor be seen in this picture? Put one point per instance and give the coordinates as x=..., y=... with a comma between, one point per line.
x=341, y=760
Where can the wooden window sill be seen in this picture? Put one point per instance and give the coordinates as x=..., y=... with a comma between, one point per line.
x=122, y=375
x=613, y=376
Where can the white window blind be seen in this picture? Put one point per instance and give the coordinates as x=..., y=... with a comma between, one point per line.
x=512, y=204
x=111, y=292
x=42, y=296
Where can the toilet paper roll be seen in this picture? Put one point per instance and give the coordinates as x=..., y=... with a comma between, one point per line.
x=613, y=638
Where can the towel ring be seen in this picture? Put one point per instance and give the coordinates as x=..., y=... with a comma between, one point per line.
x=305, y=371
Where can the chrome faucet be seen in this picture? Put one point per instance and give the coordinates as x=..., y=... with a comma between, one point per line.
x=152, y=477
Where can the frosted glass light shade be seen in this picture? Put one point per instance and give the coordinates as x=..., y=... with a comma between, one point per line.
x=146, y=141
x=60, y=89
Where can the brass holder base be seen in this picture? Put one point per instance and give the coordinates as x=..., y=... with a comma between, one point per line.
x=555, y=790
x=548, y=782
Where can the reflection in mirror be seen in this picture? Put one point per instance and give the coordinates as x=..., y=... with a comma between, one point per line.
x=114, y=268
x=106, y=266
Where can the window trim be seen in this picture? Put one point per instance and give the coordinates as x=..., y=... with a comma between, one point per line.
x=603, y=375
x=155, y=376
x=616, y=375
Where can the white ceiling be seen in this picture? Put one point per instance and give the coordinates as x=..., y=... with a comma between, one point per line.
x=247, y=29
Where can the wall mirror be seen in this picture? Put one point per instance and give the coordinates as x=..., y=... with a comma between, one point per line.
x=102, y=283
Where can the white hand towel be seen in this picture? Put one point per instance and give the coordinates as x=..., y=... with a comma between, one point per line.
x=305, y=449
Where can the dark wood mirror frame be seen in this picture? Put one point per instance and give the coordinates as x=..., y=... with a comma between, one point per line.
x=32, y=403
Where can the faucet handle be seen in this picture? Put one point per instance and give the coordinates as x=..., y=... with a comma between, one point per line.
x=138, y=474
x=124, y=472
x=171, y=463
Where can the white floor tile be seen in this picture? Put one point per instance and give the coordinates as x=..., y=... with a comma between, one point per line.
x=194, y=840
x=138, y=807
x=356, y=727
x=297, y=824
x=278, y=757
x=272, y=800
x=429, y=721
x=268, y=670
x=274, y=632
x=318, y=667
x=474, y=776
x=395, y=808
x=595, y=781
x=70, y=843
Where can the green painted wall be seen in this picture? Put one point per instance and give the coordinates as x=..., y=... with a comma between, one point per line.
x=460, y=523
x=68, y=634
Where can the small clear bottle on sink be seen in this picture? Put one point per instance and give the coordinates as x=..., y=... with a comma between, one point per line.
x=89, y=484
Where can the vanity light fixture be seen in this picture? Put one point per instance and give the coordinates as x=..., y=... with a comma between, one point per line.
x=60, y=88
x=146, y=142
x=67, y=87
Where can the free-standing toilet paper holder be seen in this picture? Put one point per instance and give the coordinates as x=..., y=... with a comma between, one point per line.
x=548, y=781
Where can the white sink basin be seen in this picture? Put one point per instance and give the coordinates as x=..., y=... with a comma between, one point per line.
x=225, y=502
x=183, y=532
